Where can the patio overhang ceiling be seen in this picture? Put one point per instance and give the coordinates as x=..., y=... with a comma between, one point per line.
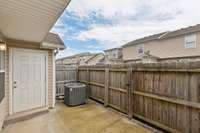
x=29, y=20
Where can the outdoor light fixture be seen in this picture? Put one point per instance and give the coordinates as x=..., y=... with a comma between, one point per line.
x=2, y=46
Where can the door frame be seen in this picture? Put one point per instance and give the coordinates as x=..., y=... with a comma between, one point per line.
x=10, y=73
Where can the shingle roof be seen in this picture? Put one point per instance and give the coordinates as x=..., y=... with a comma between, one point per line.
x=94, y=55
x=183, y=31
x=76, y=55
x=165, y=35
x=112, y=49
x=54, y=39
x=144, y=39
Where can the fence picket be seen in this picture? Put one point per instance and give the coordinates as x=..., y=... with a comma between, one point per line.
x=166, y=95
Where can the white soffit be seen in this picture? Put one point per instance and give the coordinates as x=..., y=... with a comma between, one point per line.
x=29, y=20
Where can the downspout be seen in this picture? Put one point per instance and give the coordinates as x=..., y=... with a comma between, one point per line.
x=54, y=78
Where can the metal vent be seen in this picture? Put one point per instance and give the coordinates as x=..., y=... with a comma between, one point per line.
x=75, y=94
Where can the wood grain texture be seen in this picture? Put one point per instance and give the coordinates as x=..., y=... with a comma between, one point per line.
x=166, y=95
x=64, y=74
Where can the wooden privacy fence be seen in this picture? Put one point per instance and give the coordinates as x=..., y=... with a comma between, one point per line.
x=165, y=95
x=64, y=74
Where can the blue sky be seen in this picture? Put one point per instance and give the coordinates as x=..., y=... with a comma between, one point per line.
x=96, y=25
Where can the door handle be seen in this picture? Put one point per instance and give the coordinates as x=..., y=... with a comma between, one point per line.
x=15, y=82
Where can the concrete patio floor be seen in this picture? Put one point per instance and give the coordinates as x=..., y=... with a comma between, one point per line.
x=89, y=118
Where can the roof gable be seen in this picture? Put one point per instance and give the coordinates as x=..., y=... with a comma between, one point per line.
x=53, y=41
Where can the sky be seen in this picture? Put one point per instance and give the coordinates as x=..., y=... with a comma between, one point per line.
x=96, y=25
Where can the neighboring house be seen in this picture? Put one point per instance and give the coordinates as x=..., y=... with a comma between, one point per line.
x=73, y=60
x=173, y=46
x=96, y=59
x=27, y=62
x=78, y=59
x=84, y=58
x=113, y=56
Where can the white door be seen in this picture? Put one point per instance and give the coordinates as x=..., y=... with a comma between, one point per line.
x=28, y=79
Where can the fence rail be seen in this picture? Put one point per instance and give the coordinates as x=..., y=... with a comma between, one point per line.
x=164, y=94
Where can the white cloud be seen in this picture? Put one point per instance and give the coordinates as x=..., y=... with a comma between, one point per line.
x=110, y=36
x=105, y=8
x=94, y=47
x=134, y=18
x=118, y=9
x=60, y=28
x=131, y=19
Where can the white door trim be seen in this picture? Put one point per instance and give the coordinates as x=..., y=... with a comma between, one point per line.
x=10, y=73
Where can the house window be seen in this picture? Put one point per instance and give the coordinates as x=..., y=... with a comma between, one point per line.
x=2, y=70
x=140, y=49
x=190, y=41
x=2, y=75
x=2, y=55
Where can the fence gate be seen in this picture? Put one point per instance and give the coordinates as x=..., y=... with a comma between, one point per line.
x=64, y=74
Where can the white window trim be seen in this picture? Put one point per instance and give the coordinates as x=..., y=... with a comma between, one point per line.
x=195, y=45
x=138, y=46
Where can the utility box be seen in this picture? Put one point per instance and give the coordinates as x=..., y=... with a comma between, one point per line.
x=75, y=94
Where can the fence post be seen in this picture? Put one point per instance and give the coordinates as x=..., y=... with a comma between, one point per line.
x=106, y=87
x=62, y=73
x=88, y=85
x=77, y=74
x=129, y=92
